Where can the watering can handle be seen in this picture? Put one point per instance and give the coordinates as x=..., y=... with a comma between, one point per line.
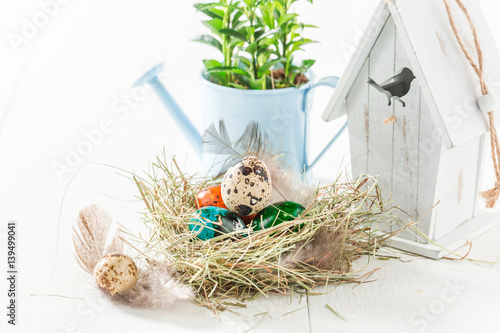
x=328, y=81
x=151, y=78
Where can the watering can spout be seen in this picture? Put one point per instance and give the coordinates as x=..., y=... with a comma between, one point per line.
x=151, y=78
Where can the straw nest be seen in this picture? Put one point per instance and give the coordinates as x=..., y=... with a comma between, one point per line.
x=343, y=221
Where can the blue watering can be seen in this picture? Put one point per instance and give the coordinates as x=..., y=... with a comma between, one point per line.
x=281, y=113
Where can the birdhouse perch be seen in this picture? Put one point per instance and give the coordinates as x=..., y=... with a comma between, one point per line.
x=409, y=69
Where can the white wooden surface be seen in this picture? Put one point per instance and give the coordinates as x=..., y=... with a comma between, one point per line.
x=75, y=70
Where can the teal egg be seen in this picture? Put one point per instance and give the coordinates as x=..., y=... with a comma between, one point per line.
x=203, y=223
x=276, y=214
x=215, y=221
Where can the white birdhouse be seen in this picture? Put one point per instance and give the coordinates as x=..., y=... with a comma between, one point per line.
x=411, y=99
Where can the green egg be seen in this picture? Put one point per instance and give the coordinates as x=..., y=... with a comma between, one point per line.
x=276, y=214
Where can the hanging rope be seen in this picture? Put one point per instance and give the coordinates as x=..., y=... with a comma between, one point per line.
x=487, y=102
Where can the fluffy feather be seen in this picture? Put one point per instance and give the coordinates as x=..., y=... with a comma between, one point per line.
x=156, y=288
x=89, y=237
x=287, y=183
x=325, y=251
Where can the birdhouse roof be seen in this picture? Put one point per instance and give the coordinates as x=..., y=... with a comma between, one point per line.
x=448, y=82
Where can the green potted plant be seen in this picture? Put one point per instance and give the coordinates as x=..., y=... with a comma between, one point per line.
x=258, y=40
x=256, y=78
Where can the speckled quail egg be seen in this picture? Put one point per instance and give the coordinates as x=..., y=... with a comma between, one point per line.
x=116, y=273
x=246, y=187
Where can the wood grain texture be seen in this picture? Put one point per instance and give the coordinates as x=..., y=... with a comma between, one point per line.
x=430, y=145
x=456, y=187
x=358, y=122
x=406, y=146
x=381, y=139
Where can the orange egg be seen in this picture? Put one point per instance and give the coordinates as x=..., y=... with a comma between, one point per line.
x=211, y=196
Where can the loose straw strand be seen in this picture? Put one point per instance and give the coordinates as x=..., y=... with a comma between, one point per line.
x=491, y=195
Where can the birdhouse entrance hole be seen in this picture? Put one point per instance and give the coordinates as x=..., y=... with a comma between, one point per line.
x=396, y=86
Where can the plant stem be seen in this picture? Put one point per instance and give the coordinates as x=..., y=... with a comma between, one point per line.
x=226, y=23
x=286, y=67
x=251, y=11
x=284, y=55
x=254, y=65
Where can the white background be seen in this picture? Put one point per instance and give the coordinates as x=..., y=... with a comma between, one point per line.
x=65, y=79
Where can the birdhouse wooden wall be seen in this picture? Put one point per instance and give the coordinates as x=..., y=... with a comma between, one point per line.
x=428, y=181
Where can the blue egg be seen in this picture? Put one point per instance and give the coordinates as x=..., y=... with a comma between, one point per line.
x=215, y=221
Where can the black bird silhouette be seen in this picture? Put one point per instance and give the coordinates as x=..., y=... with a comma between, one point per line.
x=395, y=87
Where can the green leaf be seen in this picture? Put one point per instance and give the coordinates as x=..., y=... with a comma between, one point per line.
x=264, y=43
x=235, y=22
x=263, y=56
x=306, y=64
x=233, y=33
x=216, y=13
x=267, y=66
x=244, y=80
x=278, y=9
x=214, y=24
x=204, y=6
x=280, y=3
x=249, y=33
x=209, y=64
x=210, y=10
x=228, y=69
x=219, y=78
x=209, y=40
x=286, y=18
x=252, y=48
x=267, y=34
x=258, y=34
x=298, y=44
x=237, y=86
x=258, y=84
x=235, y=42
x=215, y=5
x=244, y=61
x=267, y=11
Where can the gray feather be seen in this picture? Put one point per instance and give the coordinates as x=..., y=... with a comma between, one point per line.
x=251, y=142
x=218, y=142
